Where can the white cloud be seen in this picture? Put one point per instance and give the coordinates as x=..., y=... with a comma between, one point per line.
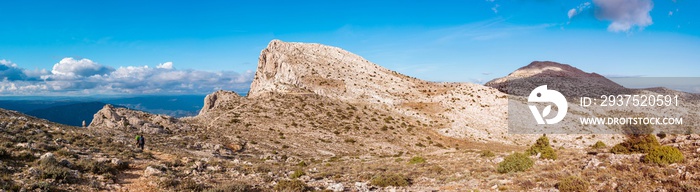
x=495, y=8
x=670, y=13
x=624, y=14
x=166, y=65
x=571, y=13
x=578, y=10
x=70, y=67
x=84, y=76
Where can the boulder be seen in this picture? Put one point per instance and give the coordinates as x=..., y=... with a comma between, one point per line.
x=150, y=171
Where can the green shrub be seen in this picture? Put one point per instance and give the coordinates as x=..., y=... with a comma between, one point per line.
x=297, y=174
x=189, y=185
x=87, y=165
x=664, y=155
x=291, y=186
x=23, y=156
x=233, y=187
x=168, y=182
x=598, y=145
x=661, y=134
x=543, y=148
x=51, y=169
x=636, y=144
x=66, y=153
x=5, y=153
x=416, y=160
x=487, y=153
x=572, y=184
x=514, y=163
x=385, y=180
x=122, y=165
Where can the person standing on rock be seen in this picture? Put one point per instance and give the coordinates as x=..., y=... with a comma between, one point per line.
x=140, y=141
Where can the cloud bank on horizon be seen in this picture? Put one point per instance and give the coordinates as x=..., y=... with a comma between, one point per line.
x=85, y=77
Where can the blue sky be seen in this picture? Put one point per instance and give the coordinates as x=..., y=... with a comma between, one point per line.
x=102, y=47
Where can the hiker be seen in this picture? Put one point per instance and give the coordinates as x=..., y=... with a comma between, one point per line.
x=140, y=141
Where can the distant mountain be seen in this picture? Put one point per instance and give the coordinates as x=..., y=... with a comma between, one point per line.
x=569, y=80
x=71, y=114
x=24, y=106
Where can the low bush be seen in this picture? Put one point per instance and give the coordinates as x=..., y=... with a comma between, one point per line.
x=66, y=153
x=636, y=144
x=416, y=160
x=598, y=145
x=385, y=180
x=514, y=163
x=190, y=185
x=487, y=153
x=291, y=186
x=297, y=174
x=5, y=153
x=168, y=182
x=88, y=165
x=664, y=155
x=122, y=165
x=572, y=184
x=661, y=134
x=233, y=187
x=51, y=169
x=543, y=148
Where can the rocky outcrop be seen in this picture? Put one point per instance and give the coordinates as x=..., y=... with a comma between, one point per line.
x=216, y=99
x=461, y=110
x=110, y=117
x=303, y=68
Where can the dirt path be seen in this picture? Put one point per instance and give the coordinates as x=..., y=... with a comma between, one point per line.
x=134, y=179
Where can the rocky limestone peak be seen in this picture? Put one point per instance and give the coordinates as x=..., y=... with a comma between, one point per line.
x=110, y=117
x=215, y=99
x=308, y=68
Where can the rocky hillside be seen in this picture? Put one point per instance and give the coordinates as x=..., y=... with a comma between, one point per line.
x=320, y=118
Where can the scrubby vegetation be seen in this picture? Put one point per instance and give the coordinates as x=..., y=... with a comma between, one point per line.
x=515, y=162
x=297, y=174
x=598, y=145
x=664, y=155
x=543, y=148
x=49, y=168
x=385, y=180
x=233, y=187
x=572, y=184
x=636, y=144
x=639, y=140
x=487, y=153
x=416, y=160
x=291, y=186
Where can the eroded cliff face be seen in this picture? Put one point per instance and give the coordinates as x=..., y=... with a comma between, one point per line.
x=216, y=100
x=110, y=117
